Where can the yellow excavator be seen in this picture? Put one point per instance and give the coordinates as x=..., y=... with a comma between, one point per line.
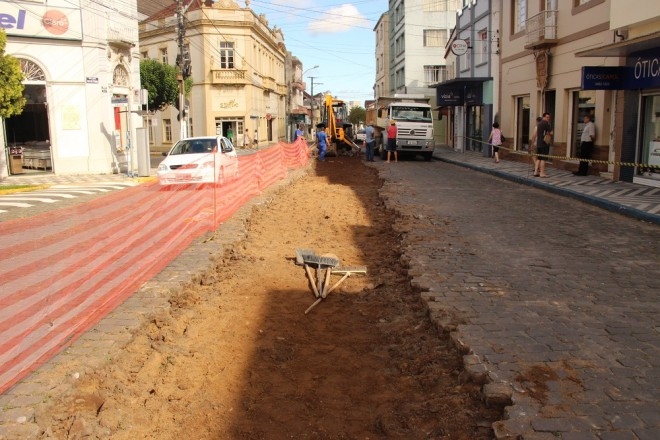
x=334, y=117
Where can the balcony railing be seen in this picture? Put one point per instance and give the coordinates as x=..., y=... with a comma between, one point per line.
x=541, y=30
x=229, y=76
x=269, y=84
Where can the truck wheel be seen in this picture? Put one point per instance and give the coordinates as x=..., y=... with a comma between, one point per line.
x=383, y=153
x=428, y=157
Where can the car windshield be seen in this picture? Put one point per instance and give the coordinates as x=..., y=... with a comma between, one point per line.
x=412, y=113
x=194, y=146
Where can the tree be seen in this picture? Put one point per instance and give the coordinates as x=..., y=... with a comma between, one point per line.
x=357, y=115
x=161, y=82
x=12, y=100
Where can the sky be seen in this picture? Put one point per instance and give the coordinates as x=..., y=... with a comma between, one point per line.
x=336, y=36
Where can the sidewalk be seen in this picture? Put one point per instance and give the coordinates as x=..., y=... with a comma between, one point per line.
x=43, y=178
x=637, y=201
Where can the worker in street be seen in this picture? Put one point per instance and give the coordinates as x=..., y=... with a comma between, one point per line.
x=391, y=141
x=322, y=142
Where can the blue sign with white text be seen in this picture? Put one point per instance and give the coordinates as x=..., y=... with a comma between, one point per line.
x=602, y=78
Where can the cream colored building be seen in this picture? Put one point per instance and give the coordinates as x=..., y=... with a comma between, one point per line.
x=541, y=73
x=238, y=72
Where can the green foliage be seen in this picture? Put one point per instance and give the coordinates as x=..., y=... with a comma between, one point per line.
x=357, y=115
x=12, y=100
x=161, y=82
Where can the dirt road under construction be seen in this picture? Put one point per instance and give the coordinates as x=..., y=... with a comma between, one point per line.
x=236, y=357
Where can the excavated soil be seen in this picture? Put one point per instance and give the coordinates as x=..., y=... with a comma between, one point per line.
x=236, y=357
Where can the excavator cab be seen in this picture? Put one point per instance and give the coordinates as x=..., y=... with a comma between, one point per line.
x=334, y=115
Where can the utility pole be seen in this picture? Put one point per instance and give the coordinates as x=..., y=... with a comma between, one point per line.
x=183, y=62
x=313, y=98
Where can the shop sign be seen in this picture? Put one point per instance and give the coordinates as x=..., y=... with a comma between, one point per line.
x=643, y=70
x=450, y=96
x=459, y=47
x=42, y=21
x=602, y=77
x=119, y=100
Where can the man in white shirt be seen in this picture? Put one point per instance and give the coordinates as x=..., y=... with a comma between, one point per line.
x=586, y=146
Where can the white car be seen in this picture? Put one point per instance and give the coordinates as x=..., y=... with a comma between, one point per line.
x=360, y=136
x=199, y=160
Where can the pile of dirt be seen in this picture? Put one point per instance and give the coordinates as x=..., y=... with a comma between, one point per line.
x=236, y=357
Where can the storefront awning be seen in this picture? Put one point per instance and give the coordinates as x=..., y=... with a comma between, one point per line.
x=623, y=48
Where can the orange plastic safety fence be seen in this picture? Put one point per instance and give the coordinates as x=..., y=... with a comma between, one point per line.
x=61, y=272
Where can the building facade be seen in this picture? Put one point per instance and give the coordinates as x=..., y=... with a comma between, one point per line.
x=238, y=72
x=469, y=95
x=81, y=66
x=419, y=30
x=541, y=73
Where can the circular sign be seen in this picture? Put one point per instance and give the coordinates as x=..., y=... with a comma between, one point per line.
x=55, y=22
x=459, y=47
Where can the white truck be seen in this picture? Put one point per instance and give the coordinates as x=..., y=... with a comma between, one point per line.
x=414, y=122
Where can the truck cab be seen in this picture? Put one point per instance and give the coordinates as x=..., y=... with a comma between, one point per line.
x=414, y=121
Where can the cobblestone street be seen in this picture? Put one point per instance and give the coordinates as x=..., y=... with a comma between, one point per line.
x=554, y=302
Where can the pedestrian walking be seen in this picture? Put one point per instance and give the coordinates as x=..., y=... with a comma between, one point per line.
x=543, y=138
x=299, y=133
x=369, y=142
x=321, y=142
x=586, y=146
x=391, y=141
x=230, y=135
x=496, y=140
x=256, y=138
x=246, y=139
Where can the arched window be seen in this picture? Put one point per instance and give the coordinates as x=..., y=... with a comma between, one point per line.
x=31, y=71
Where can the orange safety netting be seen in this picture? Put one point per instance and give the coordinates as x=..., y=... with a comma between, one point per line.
x=62, y=271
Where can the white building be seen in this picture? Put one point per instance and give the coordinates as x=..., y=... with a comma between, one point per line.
x=418, y=33
x=81, y=66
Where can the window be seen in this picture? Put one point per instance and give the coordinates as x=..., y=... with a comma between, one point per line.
x=144, y=55
x=190, y=128
x=226, y=55
x=434, y=74
x=167, y=130
x=483, y=47
x=466, y=60
x=163, y=56
x=152, y=132
x=400, y=44
x=651, y=136
x=519, y=15
x=400, y=80
x=435, y=38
